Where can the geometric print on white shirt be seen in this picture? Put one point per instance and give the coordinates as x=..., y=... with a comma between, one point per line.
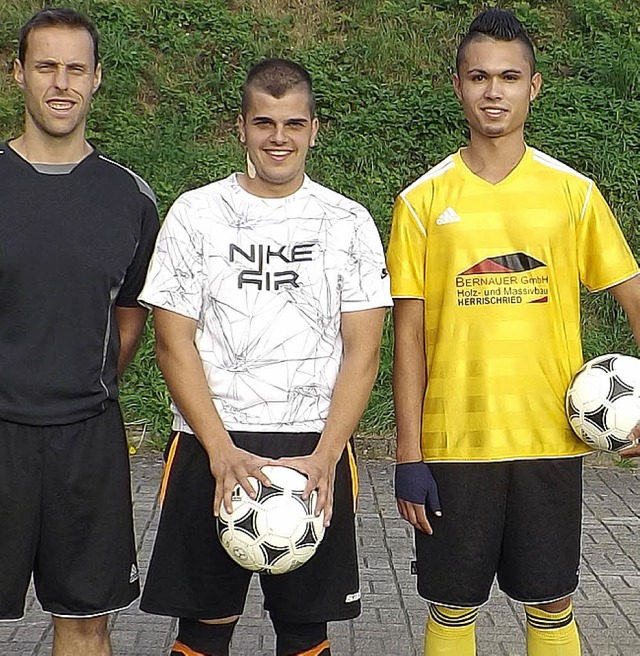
x=267, y=280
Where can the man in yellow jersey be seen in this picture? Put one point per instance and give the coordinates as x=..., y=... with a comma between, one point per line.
x=487, y=253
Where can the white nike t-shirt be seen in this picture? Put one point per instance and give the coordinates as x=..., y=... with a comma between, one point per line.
x=267, y=280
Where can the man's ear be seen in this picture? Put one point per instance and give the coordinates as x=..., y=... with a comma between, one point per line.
x=536, y=85
x=241, y=131
x=455, y=81
x=315, y=126
x=97, y=77
x=18, y=73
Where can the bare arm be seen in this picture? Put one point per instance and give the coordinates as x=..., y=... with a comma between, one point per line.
x=361, y=335
x=181, y=367
x=409, y=377
x=130, y=322
x=627, y=293
x=409, y=384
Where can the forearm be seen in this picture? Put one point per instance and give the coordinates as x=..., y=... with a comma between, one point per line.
x=628, y=296
x=409, y=378
x=350, y=396
x=361, y=334
x=182, y=369
x=130, y=323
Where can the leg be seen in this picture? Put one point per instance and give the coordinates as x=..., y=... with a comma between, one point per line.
x=81, y=637
x=552, y=630
x=86, y=563
x=457, y=564
x=204, y=637
x=296, y=639
x=450, y=631
x=20, y=498
x=541, y=551
x=326, y=588
x=190, y=575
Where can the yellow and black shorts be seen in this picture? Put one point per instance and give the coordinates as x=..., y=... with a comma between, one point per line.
x=519, y=521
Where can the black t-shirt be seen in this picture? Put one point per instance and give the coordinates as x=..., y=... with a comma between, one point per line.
x=72, y=247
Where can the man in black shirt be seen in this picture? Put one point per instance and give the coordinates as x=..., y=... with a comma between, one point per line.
x=76, y=233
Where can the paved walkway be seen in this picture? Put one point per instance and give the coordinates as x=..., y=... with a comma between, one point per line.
x=607, y=604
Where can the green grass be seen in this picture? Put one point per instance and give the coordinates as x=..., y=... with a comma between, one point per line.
x=173, y=70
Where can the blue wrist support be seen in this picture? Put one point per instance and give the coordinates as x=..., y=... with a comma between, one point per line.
x=415, y=483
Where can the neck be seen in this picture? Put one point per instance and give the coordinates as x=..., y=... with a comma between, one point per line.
x=492, y=159
x=38, y=147
x=261, y=189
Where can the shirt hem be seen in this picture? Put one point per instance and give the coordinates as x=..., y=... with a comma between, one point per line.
x=617, y=282
x=546, y=456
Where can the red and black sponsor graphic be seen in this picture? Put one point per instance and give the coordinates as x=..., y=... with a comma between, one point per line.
x=505, y=264
x=514, y=278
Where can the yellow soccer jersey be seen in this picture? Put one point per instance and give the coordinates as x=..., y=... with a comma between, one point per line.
x=499, y=268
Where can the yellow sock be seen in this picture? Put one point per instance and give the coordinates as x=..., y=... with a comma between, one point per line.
x=552, y=634
x=450, y=631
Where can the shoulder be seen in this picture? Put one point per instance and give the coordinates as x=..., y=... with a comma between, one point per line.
x=557, y=168
x=6, y=158
x=125, y=176
x=212, y=193
x=332, y=199
x=427, y=180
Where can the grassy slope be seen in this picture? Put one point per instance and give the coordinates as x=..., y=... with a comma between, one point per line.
x=173, y=69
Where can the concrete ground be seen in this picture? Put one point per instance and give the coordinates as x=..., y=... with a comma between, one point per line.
x=392, y=622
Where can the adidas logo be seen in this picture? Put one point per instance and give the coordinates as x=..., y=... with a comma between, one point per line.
x=134, y=574
x=448, y=216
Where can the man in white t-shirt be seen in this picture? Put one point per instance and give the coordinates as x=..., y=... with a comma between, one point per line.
x=269, y=293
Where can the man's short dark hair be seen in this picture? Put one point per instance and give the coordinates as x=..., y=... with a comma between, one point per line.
x=276, y=77
x=57, y=17
x=500, y=25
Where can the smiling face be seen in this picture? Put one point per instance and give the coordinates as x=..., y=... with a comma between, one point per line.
x=277, y=133
x=495, y=85
x=58, y=80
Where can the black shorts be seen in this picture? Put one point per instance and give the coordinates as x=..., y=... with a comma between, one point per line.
x=191, y=575
x=65, y=515
x=520, y=520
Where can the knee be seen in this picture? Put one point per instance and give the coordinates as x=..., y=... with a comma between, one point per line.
x=206, y=636
x=89, y=628
x=225, y=620
x=554, y=606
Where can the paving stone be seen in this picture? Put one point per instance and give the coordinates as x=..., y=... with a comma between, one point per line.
x=392, y=623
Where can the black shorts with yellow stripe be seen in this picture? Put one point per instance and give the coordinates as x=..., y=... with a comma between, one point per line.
x=191, y=575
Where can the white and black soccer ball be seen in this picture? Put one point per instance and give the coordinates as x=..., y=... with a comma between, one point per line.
x=277, y=531
x=603, y=401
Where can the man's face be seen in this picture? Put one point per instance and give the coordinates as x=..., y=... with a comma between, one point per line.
x=58, y=80
x=278, y=133
x=495, y=86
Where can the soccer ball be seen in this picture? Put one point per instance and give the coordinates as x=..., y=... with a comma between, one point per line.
x=277, y=531
x=603, y=401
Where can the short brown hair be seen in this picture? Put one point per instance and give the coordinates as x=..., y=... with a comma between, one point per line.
x=57, y=17
x=276, y=77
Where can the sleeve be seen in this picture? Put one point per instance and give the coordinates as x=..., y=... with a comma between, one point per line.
x=406, y=255
x=604, y=257
x=174, y=281
x=365, y=279
x=135, y=276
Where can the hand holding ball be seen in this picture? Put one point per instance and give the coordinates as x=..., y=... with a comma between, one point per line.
x=277, y=531
x=603, y=401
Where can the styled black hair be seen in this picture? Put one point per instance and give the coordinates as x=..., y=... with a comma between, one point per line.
x=57, y=17
x=276, y=77
x=500, y=25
